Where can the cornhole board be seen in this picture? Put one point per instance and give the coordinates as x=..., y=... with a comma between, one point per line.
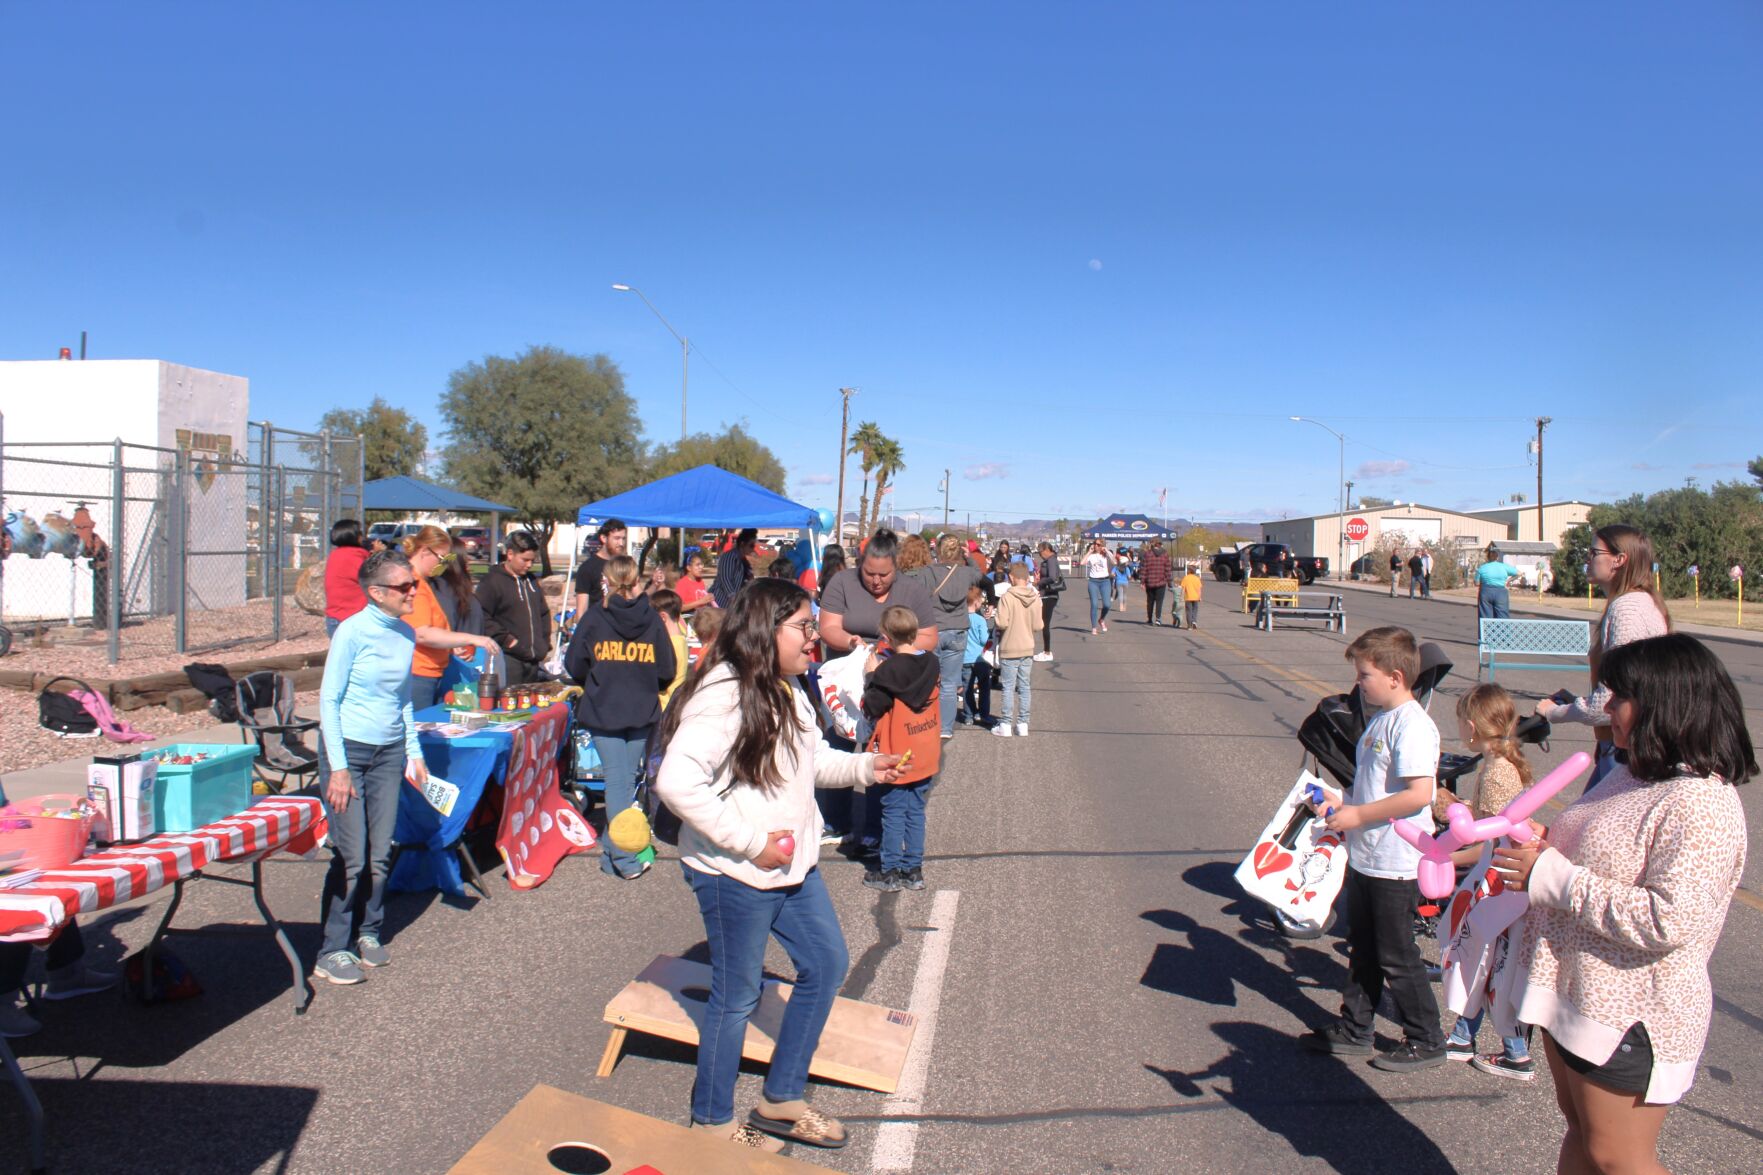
x=546, y=1117
x=863, y=1044
x=1297, y=865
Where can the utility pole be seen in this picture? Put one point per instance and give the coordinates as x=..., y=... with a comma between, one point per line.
x=844, y=432
x=1542, y=423
x=945, y=499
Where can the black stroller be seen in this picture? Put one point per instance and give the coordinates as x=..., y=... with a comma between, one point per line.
x=1330, y=738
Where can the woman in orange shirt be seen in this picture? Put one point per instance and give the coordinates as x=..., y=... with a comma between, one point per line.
x=428, y=550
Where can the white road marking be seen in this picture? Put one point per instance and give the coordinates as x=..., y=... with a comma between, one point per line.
x=897, y=1142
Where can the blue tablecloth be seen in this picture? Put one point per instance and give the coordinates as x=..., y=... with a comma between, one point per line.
x=471, y=764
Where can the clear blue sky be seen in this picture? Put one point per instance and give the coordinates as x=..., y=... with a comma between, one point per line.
x=1074, y=252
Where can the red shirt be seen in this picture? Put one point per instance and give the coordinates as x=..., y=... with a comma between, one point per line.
x=809, y=581
x=343, y=596
x=690, y=589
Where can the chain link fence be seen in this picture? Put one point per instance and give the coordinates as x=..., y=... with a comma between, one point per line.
x=150, y=551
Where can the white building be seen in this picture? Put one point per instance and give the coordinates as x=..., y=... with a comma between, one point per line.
x=1407, y=523
x=1521, y=521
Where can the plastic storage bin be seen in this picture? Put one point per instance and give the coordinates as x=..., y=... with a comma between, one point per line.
x=47, y=841
x=189, y=795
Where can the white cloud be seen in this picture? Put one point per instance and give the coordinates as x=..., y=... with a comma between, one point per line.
x=1646, y=467
x=1372, y=470
x=1096, y=263
x=983, y=471
x=1705, y=465
x=814, y=479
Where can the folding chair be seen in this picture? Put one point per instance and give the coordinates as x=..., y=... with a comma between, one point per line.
x=266, y=715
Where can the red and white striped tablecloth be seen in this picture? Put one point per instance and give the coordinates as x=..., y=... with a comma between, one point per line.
x=34, y=911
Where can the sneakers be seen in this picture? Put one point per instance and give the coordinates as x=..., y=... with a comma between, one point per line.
x=1003, y=730
x=1500, y=1065
x=948, y=734
x=339, y=967
x=1104, y=626
x=831, y=836
x=1043, y=656
x=1406, y=1057
x=1022, y=730
x=15, y=1021
x=371, y=953
x=913, y=878
x=1335, y=1039
x=1095, y=631
x=642, y=868
x=77, y=979
x=886, y=880
x=1458, y=1049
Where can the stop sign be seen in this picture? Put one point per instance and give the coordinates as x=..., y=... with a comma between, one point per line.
x=1357, y=529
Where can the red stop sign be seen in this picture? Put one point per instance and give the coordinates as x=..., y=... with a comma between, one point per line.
x=1358, y=529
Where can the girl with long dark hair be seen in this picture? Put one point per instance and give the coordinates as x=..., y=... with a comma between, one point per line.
x=741, y=757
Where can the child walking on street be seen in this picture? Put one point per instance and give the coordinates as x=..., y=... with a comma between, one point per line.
x=976, y=675
x=900, y=699
x=1019, y=618
x=1396, y=772
x=1487, y=722
x=1190, y=596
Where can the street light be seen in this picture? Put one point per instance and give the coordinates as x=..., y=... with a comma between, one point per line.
x=1340, y=494
x=685, y=351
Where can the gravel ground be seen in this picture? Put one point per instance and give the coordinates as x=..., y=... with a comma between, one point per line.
x=24, y=744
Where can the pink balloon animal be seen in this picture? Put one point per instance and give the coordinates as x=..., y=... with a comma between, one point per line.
x=1438, y=877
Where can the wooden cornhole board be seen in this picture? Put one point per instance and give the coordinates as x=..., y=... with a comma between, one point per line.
x=863, y=1044
x=547, y=1117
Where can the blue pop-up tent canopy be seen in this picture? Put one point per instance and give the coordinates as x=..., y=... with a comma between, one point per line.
x=418, y=497
x=1127, y=528
x=705, y=496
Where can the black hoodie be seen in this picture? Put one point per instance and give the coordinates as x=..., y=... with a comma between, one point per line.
x=515, y=613
x=620, y=655
x=909, y=677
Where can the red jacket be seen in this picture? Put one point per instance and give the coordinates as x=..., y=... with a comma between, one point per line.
x=1156, y=569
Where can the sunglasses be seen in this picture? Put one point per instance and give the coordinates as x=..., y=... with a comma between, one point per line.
x=404, y=587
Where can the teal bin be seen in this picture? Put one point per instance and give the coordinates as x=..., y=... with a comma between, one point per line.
x=189, y=795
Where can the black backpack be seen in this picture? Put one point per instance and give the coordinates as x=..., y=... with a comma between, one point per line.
x=62, y=714
x=218, y=685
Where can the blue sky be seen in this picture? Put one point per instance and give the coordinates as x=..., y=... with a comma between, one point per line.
x=1073, y=252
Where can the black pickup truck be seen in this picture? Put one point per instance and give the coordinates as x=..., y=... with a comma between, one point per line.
x=1274, y=559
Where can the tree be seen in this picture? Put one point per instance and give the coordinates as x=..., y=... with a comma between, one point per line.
x=863, y=441
x=1755, y=468
x=1712, y=529
x=889, y=460
x=544, y=432
x=733, y=449
x=1372, y=502
x=393, y=439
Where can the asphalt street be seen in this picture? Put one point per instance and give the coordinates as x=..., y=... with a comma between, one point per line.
x=1110, y=1002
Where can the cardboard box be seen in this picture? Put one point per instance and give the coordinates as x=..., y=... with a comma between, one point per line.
x=124, y=788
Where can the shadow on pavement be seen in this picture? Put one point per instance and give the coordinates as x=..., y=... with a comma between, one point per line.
x=1212, y=965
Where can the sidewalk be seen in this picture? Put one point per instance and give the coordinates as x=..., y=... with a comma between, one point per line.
x=68, y=776
x=1551, y=608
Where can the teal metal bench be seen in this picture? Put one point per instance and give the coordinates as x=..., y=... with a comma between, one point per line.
x=1332, y=612
x=1502, y=639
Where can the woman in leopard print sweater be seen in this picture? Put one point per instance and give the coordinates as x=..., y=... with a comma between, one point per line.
x=1628, y=895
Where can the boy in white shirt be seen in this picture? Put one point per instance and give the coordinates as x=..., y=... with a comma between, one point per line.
x=1395, y=776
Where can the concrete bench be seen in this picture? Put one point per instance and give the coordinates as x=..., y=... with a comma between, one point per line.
x=1503, y=639
x=1331, y=610
x=1284, y=590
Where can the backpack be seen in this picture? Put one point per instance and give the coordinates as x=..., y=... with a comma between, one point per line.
x=64, y=714
x=904, y=729
x=218, y=684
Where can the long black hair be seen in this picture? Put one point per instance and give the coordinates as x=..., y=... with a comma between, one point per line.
x=1690, y=716
x=832, y=561
x=748, y=644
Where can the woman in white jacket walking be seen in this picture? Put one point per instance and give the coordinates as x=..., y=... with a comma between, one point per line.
x=742, y=756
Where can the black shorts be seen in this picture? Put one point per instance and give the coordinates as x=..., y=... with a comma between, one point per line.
x=1629, y=1069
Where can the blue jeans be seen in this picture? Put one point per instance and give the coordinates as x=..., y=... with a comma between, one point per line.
x=621, y=757
x=1017, y=695
x=737, y=921
x=330, y=626
x=951, y=647
x=1493, y=603
x=424, y=691
x=902, y=806
x=1517, y=1049
x=354, y=899
x=1099, y=589
x=1604, y=762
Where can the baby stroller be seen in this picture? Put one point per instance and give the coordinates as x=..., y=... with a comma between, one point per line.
x=1330, y=738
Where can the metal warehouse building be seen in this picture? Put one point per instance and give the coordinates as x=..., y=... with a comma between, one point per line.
x=1413, y=522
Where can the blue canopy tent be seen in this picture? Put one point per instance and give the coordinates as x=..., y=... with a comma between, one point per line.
x=1128, y=528
x=425, y=497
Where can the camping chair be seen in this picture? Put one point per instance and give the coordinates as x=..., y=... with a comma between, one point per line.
x=266, y=714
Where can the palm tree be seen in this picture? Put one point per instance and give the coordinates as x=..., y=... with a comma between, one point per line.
x=863, y=443
x=889, y=460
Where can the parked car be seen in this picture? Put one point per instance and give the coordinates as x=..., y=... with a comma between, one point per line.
x=473, y=540
x=391, y=533
x=1277, y=558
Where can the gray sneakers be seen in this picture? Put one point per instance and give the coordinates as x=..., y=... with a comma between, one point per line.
x=339, y=967
x=77, y=979
x=371, y=954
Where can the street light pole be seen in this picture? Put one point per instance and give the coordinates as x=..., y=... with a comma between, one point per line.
x=685, y=352
x=945, y=499
x=1340, y=486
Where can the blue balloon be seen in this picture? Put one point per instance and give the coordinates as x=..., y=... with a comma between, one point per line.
x=826, y=518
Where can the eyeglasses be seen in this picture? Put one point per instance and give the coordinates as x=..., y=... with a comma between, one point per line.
x=1596, y=551
x=809, y=628
x=406, y=587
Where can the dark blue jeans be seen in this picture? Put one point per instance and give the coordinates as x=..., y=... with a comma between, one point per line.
x=1382, y=956
x=951, y=647
x=976, y=690
x=902, y=811
x=621, y=756
x=354, y=898
x=738, y=919
x=1493, y=603
x=424, y=691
